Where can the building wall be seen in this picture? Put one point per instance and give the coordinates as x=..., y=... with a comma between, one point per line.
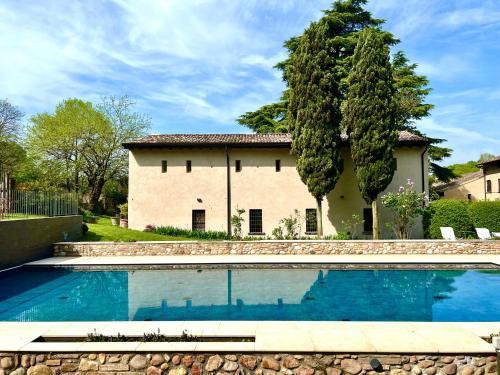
x=169, y=198
x=492, y=173
x=475, y=188
x=26, y=240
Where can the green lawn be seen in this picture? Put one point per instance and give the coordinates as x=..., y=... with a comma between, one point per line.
x=104, y=231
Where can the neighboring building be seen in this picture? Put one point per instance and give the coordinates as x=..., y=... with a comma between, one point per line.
x=481, y=185
x=469, y=186
x=491, y=178
x=198, y=182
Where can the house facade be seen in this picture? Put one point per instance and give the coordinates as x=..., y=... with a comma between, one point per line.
x=199, y=181
x=475, y=186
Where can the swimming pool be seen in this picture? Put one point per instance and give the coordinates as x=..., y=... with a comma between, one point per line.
x=327, y=294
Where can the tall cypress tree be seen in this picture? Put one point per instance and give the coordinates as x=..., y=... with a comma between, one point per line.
x=314, y=111
x=370, y=116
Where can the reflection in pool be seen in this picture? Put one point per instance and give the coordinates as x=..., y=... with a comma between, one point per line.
x=56, y=294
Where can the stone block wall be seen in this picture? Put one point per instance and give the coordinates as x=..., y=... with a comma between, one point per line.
x=243, y=364
x=25, y=240
x=277, y=248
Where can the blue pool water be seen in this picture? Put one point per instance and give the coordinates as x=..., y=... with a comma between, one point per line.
x=57, y=294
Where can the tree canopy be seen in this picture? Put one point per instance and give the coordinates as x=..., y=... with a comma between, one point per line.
x=371, y=117
x=314, y=111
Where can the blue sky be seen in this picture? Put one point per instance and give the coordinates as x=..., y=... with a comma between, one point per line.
x=195, y=65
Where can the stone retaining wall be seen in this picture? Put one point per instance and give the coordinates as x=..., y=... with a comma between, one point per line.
x=276, y=247
x=243, y=364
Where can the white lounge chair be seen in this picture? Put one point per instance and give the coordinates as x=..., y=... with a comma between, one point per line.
x=484, y=234
x=447, y=233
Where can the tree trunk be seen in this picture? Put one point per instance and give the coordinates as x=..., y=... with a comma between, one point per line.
x=375, y=220
x=320, y=217
x=95, y=194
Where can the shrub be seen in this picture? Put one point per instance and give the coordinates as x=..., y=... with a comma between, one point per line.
x=196, y=234
x=485, y=215
x=290, y=225
x=237, y=221
x=406, y=205
x=448, y=213
x=123, y=210
x=351, y=226
x=340, y=236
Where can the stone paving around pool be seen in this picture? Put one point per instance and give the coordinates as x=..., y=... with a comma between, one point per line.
x=174, y=363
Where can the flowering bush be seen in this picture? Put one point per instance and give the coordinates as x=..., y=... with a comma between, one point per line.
x=406, y=204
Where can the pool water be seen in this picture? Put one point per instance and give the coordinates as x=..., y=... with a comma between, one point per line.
x=59, y=294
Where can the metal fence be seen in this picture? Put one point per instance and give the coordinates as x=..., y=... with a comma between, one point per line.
x=31, y=204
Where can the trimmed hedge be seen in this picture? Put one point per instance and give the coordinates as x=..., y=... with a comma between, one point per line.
x=486, y=215
x=448, y=213
x=462, y=216
x=195, y=234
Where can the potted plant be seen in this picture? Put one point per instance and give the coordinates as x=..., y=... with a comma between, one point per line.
x=115, y=220
x=123, y=215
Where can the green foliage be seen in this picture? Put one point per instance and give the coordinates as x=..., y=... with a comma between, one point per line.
x=81, y=144
x=146, y=337
x=352, y=225
x=406, y=205
x=486, y=156
x=196, y=234
x=448, y=213
x=289, y=227
x=237, y=221
x=485, y=214
x=370, y=115
x=123, y=210
x=347, y=18
x=463, y=168
x=314, y=110
x=12, y=156
x=340, y=236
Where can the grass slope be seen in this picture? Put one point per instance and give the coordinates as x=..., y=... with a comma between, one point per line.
x=104, y=231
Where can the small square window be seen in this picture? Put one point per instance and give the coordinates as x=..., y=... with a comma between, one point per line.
x=188, y=166
x=255, y=221
x=163, y=166
x=238, y=165
x=278, y=165
x=311, y=221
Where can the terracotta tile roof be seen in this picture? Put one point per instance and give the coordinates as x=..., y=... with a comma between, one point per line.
x=459, y=181
x=490, y=161
x=250, y=140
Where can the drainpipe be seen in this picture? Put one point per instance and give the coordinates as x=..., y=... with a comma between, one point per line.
x=422, y=162
x=228, y=167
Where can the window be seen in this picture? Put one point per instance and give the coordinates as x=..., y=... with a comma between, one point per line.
x=469, y=197
x=188, y=166
x=499, y=185
x=238, y=165
x=255, y=221
x=395, y=164
x=198, y=220
x=278, y=165
x=163, y=166
x=367, y=220
x=311, y=221
x=488, y=186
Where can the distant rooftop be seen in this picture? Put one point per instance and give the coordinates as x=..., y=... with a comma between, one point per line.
x=237, y=140
x=490, y=161
x=469, y=177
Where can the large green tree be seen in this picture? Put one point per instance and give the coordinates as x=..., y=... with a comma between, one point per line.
x=314, y=110
x=81, y=144
x=349, y=17
x=12, y=153
x=370, y=117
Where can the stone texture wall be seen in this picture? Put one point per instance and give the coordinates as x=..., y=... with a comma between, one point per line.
x=277, y=248
x=26, y=240
x=243, y=364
